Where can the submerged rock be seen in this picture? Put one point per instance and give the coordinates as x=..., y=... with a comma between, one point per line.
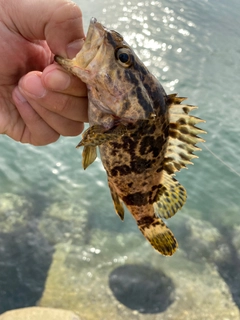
x=15, y=211
x=94, y=280
x=25, y=260
x=200, y=240
x=109, y=274
x=236, y=239
x=25, y=254
x=36, y=313
x=63, y=221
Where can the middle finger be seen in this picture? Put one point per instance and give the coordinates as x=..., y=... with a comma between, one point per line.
x=68, y=106
x=55, y=78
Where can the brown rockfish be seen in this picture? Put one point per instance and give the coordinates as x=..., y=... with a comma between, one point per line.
x=144, y=135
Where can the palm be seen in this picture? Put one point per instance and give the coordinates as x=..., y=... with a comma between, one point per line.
x=18, y=57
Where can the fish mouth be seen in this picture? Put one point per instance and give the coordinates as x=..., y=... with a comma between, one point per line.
x=93, y=41
x=95, y=34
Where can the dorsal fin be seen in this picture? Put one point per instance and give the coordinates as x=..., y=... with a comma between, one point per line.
x=183, y=135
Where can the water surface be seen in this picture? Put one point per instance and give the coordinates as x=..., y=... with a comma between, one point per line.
x=193, y=48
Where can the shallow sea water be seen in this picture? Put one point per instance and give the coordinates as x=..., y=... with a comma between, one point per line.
x=193, y=48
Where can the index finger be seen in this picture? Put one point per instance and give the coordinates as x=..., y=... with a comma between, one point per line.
x=58, y=22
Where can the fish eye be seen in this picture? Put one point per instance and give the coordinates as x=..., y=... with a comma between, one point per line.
x=124, y=56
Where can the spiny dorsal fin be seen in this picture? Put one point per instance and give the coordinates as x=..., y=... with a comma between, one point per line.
x=117, y=202
x=183, y=135
x=172, y=197
x=159, y=235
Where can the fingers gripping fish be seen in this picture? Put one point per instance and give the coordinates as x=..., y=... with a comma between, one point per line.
x=144, y=135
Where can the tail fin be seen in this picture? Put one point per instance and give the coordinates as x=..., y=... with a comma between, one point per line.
x=158, y=234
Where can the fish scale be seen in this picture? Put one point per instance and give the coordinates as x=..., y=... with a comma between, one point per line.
x=144, y=135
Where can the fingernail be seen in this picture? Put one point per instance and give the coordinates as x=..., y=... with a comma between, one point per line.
x=57, y=80
x=74, y=47
x=19, y=96
x=32, y=84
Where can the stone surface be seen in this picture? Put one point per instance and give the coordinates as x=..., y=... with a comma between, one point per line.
x=199, y=238
x=112, y=272
x=14, y=212
x=37, y=313
x=93, y=280
x=63, y=221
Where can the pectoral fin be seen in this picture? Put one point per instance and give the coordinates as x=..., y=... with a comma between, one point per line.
x=95, y=136
x=171, y=198
x=91, y=138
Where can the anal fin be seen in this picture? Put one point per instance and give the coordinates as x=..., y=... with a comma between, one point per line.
x=159, y=235
x=172, y=197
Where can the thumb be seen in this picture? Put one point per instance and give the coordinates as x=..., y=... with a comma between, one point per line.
x=59, y=22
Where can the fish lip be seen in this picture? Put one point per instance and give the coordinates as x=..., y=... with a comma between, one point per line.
x=95, y=28
x=95, y=24
x=93, y=20
x=93, y=41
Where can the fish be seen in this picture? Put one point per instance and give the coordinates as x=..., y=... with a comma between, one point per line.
x=144, y=136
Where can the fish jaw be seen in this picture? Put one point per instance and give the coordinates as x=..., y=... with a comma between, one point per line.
x=78, y=65
x=93, y=41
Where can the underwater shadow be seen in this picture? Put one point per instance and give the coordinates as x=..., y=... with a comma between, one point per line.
x=229, y=268
x=25, y=258
x=142, y=288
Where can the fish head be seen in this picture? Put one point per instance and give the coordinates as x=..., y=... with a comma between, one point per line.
x=119, y=84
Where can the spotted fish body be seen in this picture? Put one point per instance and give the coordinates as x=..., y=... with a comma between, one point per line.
x=144, y=135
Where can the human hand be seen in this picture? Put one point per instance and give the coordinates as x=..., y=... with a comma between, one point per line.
x=39, y=101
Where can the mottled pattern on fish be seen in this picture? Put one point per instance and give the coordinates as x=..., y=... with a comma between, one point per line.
x=144, y=135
